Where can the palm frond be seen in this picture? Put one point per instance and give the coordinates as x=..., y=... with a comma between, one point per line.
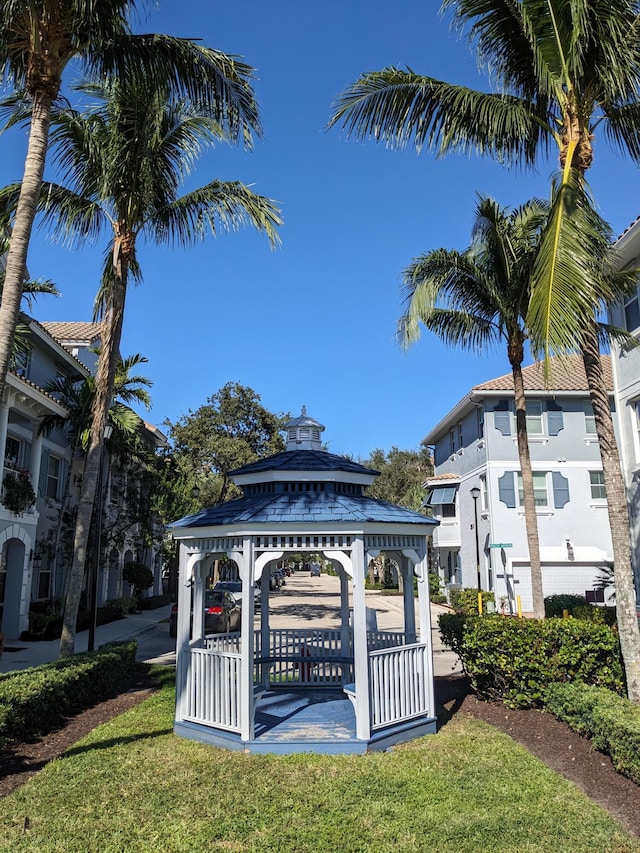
x=402, y=108
x=219, y=204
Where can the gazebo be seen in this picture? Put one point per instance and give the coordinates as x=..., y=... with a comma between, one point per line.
x=349, y=689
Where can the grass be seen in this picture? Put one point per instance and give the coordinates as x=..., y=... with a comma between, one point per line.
x=132, y=786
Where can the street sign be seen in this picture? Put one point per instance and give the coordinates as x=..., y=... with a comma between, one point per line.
x=502, y=545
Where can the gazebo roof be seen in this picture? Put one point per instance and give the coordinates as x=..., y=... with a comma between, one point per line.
x=304, y=460
x=305, y=507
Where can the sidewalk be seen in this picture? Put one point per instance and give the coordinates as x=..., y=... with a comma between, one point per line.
x=21, y=655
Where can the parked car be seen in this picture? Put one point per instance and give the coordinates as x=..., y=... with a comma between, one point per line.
x=222, y=613
x=235, y=588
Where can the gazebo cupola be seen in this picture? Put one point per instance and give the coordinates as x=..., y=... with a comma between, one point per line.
x=303, y=433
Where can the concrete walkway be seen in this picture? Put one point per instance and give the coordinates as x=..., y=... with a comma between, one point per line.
x=303, y=601
x=21, y=655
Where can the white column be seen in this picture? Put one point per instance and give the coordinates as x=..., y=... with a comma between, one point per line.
x=4, y=422
x=35, y=458
x=360, y=650
x=406, y=567
x=246, y=649
x=422, y=572
x=183, y=658
x=197, y=632
x=344, y=611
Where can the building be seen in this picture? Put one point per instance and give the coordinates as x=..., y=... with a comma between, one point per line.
x=626, y=382
x=476, y=494
x=36, y=522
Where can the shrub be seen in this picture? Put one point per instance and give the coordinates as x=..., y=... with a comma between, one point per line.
x=555, y=605
x=18, y=494
x=611, y=722
x=34, y=701
x=155, y=601
x=466, y=601
x=515, y=659
x=593, y=613
x=434, y=584
x=439, y=599
x=138, y=575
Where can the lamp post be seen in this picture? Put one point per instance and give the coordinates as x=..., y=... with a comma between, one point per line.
x=475, y=494
x=93, y=607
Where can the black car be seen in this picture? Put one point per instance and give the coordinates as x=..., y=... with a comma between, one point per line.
x=222, y=613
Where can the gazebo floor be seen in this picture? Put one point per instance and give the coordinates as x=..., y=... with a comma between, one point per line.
x=307, y=719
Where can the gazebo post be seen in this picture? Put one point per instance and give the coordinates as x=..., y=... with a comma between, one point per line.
x=186, y=563
x=409, y=603
x=344, y=613
x=422, y=572
x=246, y=634
x=360, y=649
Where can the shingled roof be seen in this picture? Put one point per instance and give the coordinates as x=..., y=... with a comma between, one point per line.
x=73, y=331
x=304, y=460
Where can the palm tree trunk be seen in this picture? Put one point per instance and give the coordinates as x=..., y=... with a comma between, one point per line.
x=22, y=226
x=530, y=517
x=105, y=381
x=618, y=514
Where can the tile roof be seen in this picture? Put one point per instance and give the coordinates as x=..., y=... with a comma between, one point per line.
x=303, y=508
x=304, y=460
x=567, y=374
x=73, y=331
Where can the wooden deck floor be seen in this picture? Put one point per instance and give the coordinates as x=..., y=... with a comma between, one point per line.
x=305, y=715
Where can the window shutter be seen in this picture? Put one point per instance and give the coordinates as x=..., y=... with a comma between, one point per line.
x=507, y=489
x=502, y=417
x=44, y=470
x=555, y=420
x=560, y=489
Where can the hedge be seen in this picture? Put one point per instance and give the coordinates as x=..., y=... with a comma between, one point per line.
x=514, y=660
x=465, y=601
x=610, y=721
x=34, y=701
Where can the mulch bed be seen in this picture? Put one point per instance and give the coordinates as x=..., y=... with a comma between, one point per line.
x=551, y=741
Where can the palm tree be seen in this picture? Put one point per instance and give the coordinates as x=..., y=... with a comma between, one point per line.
x=78, y=396
x=562, y=69
x=122, y=164
x=38, y=40
x=477, y=298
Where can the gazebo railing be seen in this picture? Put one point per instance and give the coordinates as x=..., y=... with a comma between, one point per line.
x=397, y=684
x=212, y=688
x=302, y=656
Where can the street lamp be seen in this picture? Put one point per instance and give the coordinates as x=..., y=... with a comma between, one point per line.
x=475, y=494
x=93, y=608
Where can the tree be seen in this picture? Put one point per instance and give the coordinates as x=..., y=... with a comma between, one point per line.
x=562, y=69
x=133, y=190
x=402, y=473
x=78, y=397
x=232, y=429
x=480, y=297
x=39, y=39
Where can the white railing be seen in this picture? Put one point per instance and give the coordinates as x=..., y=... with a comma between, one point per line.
x=224, y=643
x=397, y=684
x=212, y=691
x=304, y=656
x=385, y=639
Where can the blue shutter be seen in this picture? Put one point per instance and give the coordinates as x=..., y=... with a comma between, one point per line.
x=44, y=470
x=502, y=417
x=555, y=421
x=560, y=489
x=507, y=489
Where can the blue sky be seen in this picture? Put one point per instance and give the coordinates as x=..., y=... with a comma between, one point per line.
x=313, y=322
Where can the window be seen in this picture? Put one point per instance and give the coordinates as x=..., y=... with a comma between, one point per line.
x=597, y=486
x=53, y=477
x=484, y=495
x=452, y=441
x=589, y=419
x=480, y=421
x=12, y=452
x=21, y=361
x=632, y=313
x=443, y=498
x=460, y=441
x=540, y=494
x=534, y=417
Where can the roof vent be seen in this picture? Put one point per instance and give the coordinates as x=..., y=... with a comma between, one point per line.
x=303, y=433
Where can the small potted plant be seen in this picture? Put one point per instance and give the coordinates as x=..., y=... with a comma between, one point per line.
x=17, y=492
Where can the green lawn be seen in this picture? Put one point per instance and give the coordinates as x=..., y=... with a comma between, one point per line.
x=133, y=786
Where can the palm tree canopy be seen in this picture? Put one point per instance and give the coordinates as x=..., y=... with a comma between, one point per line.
x=38, y=39
x=480, y=296
x=560, y=69
x=122, y=163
